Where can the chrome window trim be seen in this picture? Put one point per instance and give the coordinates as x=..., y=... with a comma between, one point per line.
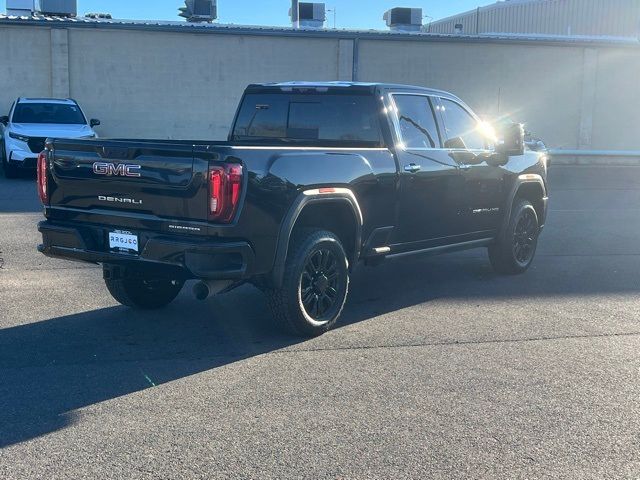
x=469, y=112
x=395, y=119
x=324, y=149
x=435, y=98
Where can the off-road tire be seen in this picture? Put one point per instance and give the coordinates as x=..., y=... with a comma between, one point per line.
x=302, y=281
x=514, y=252
x=144, y=293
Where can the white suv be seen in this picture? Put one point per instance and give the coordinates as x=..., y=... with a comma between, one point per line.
x=30, y=122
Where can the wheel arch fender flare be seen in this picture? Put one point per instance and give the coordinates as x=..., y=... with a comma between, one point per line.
x=312, y=197
x=524, y=179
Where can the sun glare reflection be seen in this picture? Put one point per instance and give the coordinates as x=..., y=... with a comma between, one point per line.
x=488, y=130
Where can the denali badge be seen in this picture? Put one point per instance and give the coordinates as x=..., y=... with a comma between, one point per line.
x=486, y=210
x=119, y=169
x=132, y=201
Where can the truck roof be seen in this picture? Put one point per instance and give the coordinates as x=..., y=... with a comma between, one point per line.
x=359, y=87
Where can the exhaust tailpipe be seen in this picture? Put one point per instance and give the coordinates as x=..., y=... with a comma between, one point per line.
x=206, y=288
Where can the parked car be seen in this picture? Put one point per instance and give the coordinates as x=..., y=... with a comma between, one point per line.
x=313, y=179
x=30, y=122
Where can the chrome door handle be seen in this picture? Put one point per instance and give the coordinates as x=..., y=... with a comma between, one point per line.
x=464, y=166
x=412, y=167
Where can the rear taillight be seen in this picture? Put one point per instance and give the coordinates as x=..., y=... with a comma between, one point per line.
x=43, y=187
x=225, y=188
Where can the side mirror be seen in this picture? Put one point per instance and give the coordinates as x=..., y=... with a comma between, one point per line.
x=455, y=143
x=511, y=140
x=4, y=119
x=94, y=122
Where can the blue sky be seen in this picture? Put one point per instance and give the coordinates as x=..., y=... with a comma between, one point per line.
x=350, y=13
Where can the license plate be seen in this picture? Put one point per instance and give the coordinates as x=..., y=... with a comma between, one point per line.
x=123, y=241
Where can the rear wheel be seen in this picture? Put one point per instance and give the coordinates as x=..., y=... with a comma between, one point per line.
x=10, y=171
x=315, y=286
x=144, y=292
x=514, y=253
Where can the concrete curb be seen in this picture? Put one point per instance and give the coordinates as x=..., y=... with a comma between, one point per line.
x=594, y=160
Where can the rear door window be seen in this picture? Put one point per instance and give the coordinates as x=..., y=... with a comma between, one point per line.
x=418, y=127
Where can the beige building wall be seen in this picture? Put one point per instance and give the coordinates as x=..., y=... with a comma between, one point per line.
x=617, y=100
x=157, y=84
x=540, y=86
x=173, y=85
x=25, y=64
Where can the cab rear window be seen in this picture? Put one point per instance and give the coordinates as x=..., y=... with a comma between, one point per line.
x=319, y=118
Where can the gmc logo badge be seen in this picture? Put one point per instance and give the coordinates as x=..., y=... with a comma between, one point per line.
x=120, y=169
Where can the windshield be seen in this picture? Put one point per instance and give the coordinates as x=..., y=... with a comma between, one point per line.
x=48, y=113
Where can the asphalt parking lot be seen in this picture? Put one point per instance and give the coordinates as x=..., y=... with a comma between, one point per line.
x=438, y=368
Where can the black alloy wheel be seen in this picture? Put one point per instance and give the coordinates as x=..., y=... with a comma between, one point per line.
x=514, y=250
x=319, y=284
x=315, y=284
x=525, y=236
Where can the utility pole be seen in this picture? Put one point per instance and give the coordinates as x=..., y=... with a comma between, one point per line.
x=295, y=13
x=429, y=26
x=333, y=10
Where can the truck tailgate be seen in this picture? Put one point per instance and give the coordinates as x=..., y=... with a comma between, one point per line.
x=159, y=179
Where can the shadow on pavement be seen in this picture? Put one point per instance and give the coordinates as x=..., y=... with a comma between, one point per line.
x=19, y=195
x=50, y=368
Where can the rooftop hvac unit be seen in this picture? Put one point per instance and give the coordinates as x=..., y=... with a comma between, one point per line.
x=311, y=15
x=401, y=19
x=58, y=8
x=199, y=10
x=98, y=16
x=20, y=7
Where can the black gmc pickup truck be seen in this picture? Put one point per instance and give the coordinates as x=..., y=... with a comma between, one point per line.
x=314, y=178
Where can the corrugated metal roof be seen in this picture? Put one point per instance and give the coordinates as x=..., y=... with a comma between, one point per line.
x=217, y=28
x=608, y=18
x=493, y=6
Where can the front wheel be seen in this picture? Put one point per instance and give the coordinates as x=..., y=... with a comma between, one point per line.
x=315, y=286
x=10, y=171
x=143, y=292
x=514, y=253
